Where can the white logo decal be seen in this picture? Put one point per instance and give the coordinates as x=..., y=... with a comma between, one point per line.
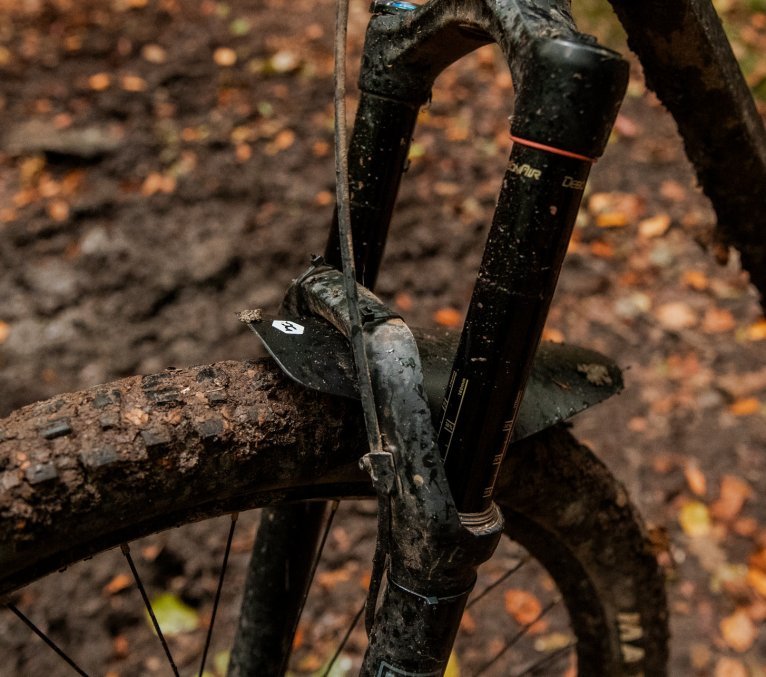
x=287, y=327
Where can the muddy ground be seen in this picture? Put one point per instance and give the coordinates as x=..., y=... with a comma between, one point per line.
x=165, y=163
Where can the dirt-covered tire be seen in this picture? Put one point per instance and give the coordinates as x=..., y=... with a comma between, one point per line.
x=563, y=505
x=87, y=471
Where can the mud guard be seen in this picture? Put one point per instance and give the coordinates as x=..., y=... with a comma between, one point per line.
x=565, y=379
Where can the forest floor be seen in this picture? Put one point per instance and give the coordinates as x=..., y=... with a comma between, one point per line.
x=165, y=163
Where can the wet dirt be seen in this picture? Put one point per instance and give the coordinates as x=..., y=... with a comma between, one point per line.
x=165, y=164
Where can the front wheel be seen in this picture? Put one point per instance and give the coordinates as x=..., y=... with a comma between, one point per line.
x=87, y=471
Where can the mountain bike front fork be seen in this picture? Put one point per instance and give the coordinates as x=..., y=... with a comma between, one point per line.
x=568, y=90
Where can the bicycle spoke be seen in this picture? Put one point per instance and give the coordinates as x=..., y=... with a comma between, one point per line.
x=338, y=651
x=217, y=599
x=500, y=580
x=47, y=640
x=126, y=551
x=524, y=629
x=532, y=669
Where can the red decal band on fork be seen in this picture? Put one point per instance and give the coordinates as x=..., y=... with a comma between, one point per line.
x=552, y=149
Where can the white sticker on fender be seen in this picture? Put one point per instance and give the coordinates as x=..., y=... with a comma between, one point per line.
x=287, y=327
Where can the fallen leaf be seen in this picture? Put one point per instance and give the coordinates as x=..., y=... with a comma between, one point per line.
x=99, y=82
x=626, y=127
x=553, y=642
x=58, y=210
x=522, y=605
x=654, y=226
x=743, y=384
x=718, y=321
x=243, y=152
x=467, y=623
x=330, y=579
x=324, y=198
x=730, y=667
x=174, y=616
x=734, y=493
x=612, y=220
x=404, y=301
x=119, y=583
x=5, y=331
x=676, y=315
x=616, y=208
x=738, y=631
x=695, y=279
x=601, y=249
x=756, y=331
x=695, y=478
x=758, y=559
x=694, y=519
x=120, y=646
x=133, y=83
x=225, y=57
x=746, y=406
x=756, y=579
x=672, y=190
x=553, y=335
x=284, y=61
x=154, y=54
x=453, y=666
x=282, y=141
x=448, y=317
x=745, y=526
x=158, y=183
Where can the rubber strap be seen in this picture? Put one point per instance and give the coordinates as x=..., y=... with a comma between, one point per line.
x=552, y=149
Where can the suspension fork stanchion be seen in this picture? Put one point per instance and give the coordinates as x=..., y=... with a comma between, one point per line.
x=278, y=577
x=565, y=108
x=377, y=158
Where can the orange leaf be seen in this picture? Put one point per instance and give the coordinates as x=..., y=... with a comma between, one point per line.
x=676, y=315
x=329, y=579
x=746, y=406
x=133, y=83
x=756, y=579
x=448, y=317
x=612, y=220
x=99, y=82
x=467, y=623
x=225, y=57
x=602, y=249
x=554, y=335
x=58, y=210
x=120, y=646
x=695, y=478
x=5, y=331
x=756, y=331
x=404, y=301
x=654, y=226
x=758, y=559
x=734, y=493
x=298, y=638
x=718, y=321
x=738, y=630
x=522, y=605
x=695, y=279
x=730, y=667
x=118, y=584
